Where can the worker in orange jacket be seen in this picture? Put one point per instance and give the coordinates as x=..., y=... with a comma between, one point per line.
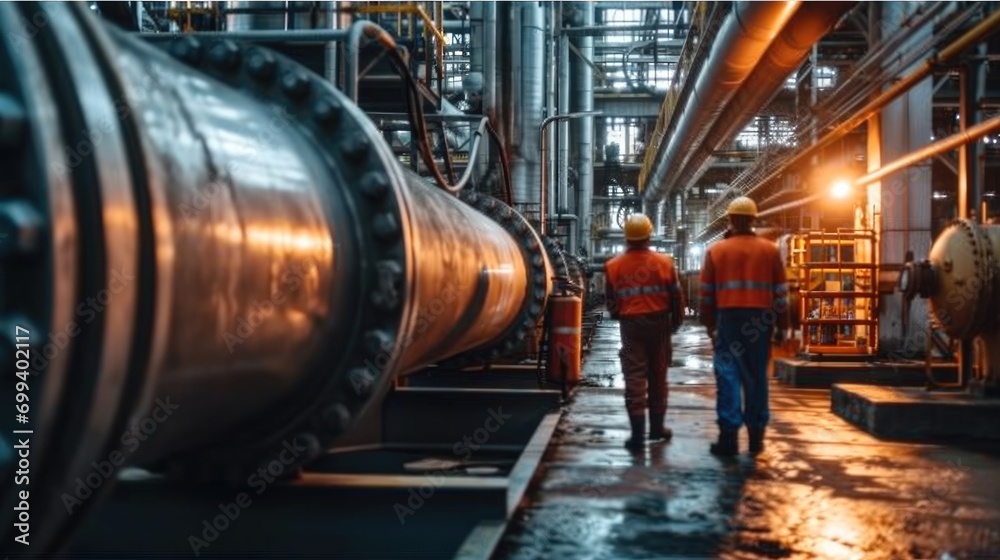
x=641, y=290
x=744, y=303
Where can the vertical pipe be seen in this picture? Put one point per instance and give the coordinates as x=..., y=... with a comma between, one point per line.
x=476, y=51
x=963, y=150
x=562, y=187
x=584, y=99
x=489, y=56
x=330, y=50
x=532, y=98
x=552, y=104
x=973, y=96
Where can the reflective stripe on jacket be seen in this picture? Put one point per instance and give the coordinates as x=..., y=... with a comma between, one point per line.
x=743, y=271
x=641, y=281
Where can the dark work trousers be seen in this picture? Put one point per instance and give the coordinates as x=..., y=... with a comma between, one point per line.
x=646, y=353
x=742, y=351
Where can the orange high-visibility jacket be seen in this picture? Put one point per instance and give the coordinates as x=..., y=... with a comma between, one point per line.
x=743, y=271
x=640, y=282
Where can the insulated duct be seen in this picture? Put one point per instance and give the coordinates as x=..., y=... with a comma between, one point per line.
x=223, y=232
x=739, y=47
x=786, y=53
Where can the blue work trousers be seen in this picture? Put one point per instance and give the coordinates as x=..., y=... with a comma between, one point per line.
x=742, y=351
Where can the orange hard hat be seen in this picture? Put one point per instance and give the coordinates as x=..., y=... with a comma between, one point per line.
x=742, y=206
x=638, y=227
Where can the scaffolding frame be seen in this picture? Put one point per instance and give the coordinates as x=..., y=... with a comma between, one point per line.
x=832, y=318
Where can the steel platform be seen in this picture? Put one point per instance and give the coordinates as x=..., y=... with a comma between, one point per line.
x=910, y=413
x=361, y=501
x=807, y=372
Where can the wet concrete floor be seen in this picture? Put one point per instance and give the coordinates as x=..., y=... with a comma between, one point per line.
x=822, y=489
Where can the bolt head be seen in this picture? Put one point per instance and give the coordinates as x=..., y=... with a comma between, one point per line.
x=385, y=227
x=377, y=342
x=11, y=120
x=356, y=147
x=336, y=418
x=20, y=227
x=188, y=49
x=375, y=184
x=295, y=84
x=224, y=54
x=327, y=112
x=260, y=65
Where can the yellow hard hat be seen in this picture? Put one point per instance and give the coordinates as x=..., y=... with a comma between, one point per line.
x=638, y=227
x=742, y=206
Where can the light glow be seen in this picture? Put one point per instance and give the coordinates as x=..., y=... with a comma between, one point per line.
x=841, y=189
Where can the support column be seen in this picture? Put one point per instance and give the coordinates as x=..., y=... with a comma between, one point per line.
x=973, y=92
x=904, y=198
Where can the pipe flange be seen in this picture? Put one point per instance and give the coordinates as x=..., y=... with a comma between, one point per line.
x=538, y=264
x=986, y=276
x=346, y=384
x=558, y=260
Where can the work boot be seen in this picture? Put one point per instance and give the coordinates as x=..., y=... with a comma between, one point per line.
x=728, y=444
x=756, y=440
x=657, y=431
x=636, y=442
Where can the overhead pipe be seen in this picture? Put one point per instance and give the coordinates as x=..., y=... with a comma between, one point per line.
x=948, y=144
x=261, y=260
x=741, y=43
x=813, y=21
x=976, y=34
x=981, y=31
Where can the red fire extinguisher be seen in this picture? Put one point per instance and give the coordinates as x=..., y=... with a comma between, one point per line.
x=565, y=336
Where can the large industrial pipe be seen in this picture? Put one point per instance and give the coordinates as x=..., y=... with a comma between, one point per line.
x=785, y=54
x=219, y=233
x=738, y=48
